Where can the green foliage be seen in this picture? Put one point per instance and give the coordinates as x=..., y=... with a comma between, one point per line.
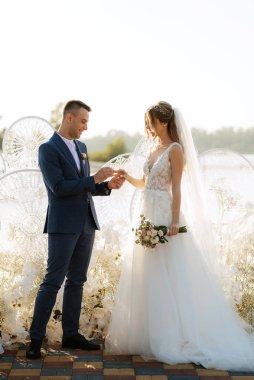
x=240, y=140
x=113, y=149
x=1, y=138
x=98, y=143
x=237, y=139
x=56, y=115
x=117, y=142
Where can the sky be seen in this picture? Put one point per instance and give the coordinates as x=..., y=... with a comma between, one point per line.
x=121, y=56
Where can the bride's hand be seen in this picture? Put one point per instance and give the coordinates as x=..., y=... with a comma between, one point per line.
x=173, y=229
x=122, y=173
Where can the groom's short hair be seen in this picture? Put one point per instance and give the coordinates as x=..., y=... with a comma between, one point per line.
x=73, y=106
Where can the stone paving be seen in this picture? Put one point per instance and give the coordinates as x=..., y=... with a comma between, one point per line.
x=61, y=364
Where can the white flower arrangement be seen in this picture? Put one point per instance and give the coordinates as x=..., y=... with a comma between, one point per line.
x=21, y=274
x=150, y=235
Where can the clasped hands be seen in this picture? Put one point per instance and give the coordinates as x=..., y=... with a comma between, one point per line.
x=116, y=180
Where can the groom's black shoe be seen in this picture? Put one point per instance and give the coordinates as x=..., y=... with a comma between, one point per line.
x=34, y=349
x=79, y=342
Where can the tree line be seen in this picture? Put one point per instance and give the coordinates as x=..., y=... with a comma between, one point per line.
x=240, y=140
x=115, y=142
x=103, y=148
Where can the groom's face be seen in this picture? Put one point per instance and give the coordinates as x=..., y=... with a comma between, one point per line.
x=78, y=123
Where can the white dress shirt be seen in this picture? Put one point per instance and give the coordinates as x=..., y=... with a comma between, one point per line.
x=72, y=147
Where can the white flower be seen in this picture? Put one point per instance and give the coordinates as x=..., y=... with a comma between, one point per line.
x=101, y=323
x=84, y=156
x=155, y=240
x=153, y=232
x=160, y=233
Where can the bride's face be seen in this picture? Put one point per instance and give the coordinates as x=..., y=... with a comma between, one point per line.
x=154, y=128
x=148, y=125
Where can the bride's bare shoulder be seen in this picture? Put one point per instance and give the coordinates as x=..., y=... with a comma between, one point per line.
x=176, y=154
x=176, y=150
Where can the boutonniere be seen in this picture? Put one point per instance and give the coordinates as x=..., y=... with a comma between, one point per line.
x=84, y=156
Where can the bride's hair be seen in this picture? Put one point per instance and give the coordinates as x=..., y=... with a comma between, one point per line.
x=164, y=112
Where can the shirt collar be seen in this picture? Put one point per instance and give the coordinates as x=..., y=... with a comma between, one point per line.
x=67, y=141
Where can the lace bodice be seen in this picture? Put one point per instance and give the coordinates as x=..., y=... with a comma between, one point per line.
x=158, y=177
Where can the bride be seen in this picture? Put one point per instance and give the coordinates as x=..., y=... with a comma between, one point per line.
x=170, y=304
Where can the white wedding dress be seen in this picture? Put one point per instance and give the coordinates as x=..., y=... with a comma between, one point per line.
x=170, y=305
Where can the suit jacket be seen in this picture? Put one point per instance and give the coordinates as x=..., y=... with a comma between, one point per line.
x=69, y=191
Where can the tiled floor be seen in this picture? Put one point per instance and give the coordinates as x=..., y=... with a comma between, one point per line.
x=97, y=365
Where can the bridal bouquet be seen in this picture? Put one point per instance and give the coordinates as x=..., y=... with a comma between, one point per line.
x=150, y=235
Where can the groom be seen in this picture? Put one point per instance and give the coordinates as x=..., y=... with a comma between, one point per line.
x=70, y=223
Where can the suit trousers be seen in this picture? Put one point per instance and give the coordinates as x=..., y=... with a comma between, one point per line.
x=68, y=256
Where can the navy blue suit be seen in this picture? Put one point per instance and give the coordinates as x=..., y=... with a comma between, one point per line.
x=71, y=222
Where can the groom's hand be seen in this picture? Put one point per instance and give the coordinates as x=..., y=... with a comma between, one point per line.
x=122, y=173
x=116, y=182
x=103, y=174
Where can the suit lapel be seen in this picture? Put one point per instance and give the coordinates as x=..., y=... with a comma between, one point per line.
x=82, y=163
x=85, y=165
x=65, y=150
x=88, y=166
